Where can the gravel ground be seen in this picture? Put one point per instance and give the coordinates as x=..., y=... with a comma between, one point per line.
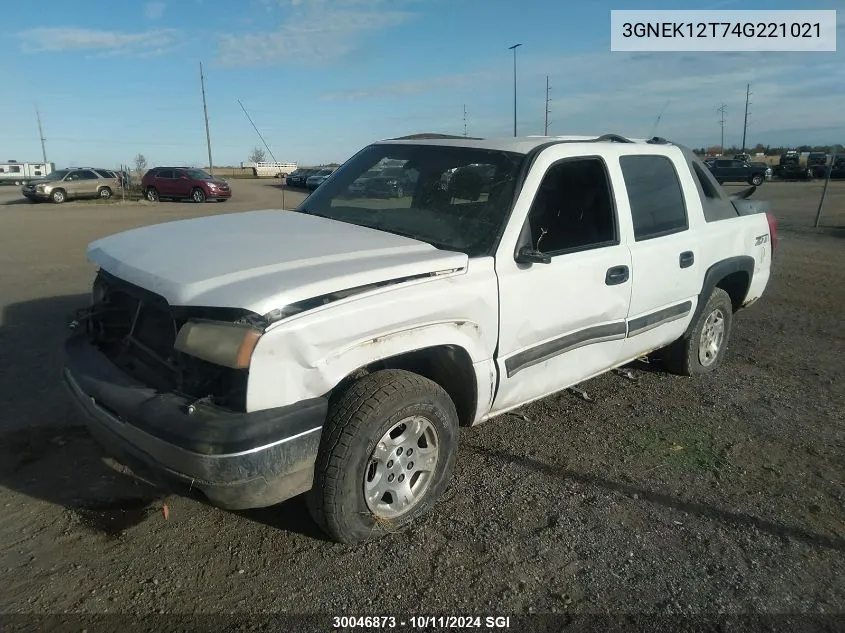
x=655, y=493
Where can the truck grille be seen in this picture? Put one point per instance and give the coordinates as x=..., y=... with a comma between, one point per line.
x=137, y=329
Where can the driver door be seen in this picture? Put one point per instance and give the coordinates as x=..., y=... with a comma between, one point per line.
x=563, y=320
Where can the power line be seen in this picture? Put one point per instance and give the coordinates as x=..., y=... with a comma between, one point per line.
x=257, y=132
x=745, y=123
x=721, y=110
x=205, y=113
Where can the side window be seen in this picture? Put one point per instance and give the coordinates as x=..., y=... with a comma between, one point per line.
x=14, y=169
x=164, y=173
x=88, y=175
x=706, y=184
x=655, y=195
x=573, y=208
x=74, y=175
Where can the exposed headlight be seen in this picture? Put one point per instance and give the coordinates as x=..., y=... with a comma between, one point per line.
x=226, y=344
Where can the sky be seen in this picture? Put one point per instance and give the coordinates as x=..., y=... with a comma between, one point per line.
x=323, y=78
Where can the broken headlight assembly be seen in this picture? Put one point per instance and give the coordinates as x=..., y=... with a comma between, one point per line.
x=227, y=344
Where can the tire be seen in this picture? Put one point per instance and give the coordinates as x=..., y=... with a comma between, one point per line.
x=756, y=180
x=357, y=425
x=58, y=196
x=689, y=356
x=198, y=195
x=151, y=194
x=400, y=192
x=105, y=193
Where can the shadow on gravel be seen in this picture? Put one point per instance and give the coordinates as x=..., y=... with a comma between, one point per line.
x=45, y=452
x=668, y=501
x=290, y=516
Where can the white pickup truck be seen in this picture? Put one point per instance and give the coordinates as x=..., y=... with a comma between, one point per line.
x=335, y=349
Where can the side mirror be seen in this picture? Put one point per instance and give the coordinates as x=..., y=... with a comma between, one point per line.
x=528, y=255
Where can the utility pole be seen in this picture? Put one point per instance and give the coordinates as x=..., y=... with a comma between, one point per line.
x=465, y=119
x=837, y=149
x=745, y=124
x=205, y=113
x=721, y=110
x=41, y=136
x=513, y=48
x=257, y=132
x=546, y=126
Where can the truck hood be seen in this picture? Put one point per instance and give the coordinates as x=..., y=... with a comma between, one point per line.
x=262, y=260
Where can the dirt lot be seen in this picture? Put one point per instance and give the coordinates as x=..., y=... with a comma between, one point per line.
x=663, y=494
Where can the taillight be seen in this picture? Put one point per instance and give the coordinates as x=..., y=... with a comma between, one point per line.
x=773, y=233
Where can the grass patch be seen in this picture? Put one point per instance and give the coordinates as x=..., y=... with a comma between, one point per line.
x=683, y=449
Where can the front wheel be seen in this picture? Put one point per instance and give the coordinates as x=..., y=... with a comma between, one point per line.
x=757, y=180
x=58, y=196
x=387, y=453
x=703, y=349
x=198, y=195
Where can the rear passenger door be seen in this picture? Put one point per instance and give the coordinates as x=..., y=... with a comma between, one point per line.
x=164, y=183
x=88, y=182
x=666, y=271
x=181, y=183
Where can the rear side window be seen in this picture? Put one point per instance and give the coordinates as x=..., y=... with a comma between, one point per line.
x=164, y=173
x=655, y=195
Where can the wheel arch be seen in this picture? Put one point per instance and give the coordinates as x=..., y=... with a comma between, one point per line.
x=733, y=275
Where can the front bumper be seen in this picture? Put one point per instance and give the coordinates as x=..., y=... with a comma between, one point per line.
x=219, y=193
x=36, y=195
x=237, y=460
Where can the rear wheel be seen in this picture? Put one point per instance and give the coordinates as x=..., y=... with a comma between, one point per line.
x=387, y=453
x=151, y=194
x=58, y=196
x=105, y=193
x=198, y=195
x=703, y=349
x=757, y=180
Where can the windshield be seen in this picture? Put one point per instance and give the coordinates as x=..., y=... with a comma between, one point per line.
x=455, y=198
x=199, y=174
x=57, y=175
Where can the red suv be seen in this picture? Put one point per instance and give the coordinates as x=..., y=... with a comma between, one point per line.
x=179, y=183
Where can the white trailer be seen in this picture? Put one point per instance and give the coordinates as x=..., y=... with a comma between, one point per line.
x=15, y=173
x=270, y=169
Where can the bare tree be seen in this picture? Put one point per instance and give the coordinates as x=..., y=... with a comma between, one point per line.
x=257, y=155
x=140, y=165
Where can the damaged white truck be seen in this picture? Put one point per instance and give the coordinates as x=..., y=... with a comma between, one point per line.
x=335, y=349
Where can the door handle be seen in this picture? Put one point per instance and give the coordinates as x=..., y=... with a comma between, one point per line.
x=686, y=259
x=616, y=275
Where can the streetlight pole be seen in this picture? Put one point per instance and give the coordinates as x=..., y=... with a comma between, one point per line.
x=513, y=48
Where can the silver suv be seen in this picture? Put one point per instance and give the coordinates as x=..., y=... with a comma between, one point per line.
x=66, y=184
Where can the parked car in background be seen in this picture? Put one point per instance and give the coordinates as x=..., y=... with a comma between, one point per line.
x=789, y=167
x=817, y=164
x=392, y=182
x=359, y=186
x=297, y=178
x=732, y=170
x=68, y=184
x=181, y=183
x=317, y=179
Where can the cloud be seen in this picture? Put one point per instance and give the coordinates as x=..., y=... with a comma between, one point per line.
x=315, y=32
x=59, y=39
x=154, y=10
